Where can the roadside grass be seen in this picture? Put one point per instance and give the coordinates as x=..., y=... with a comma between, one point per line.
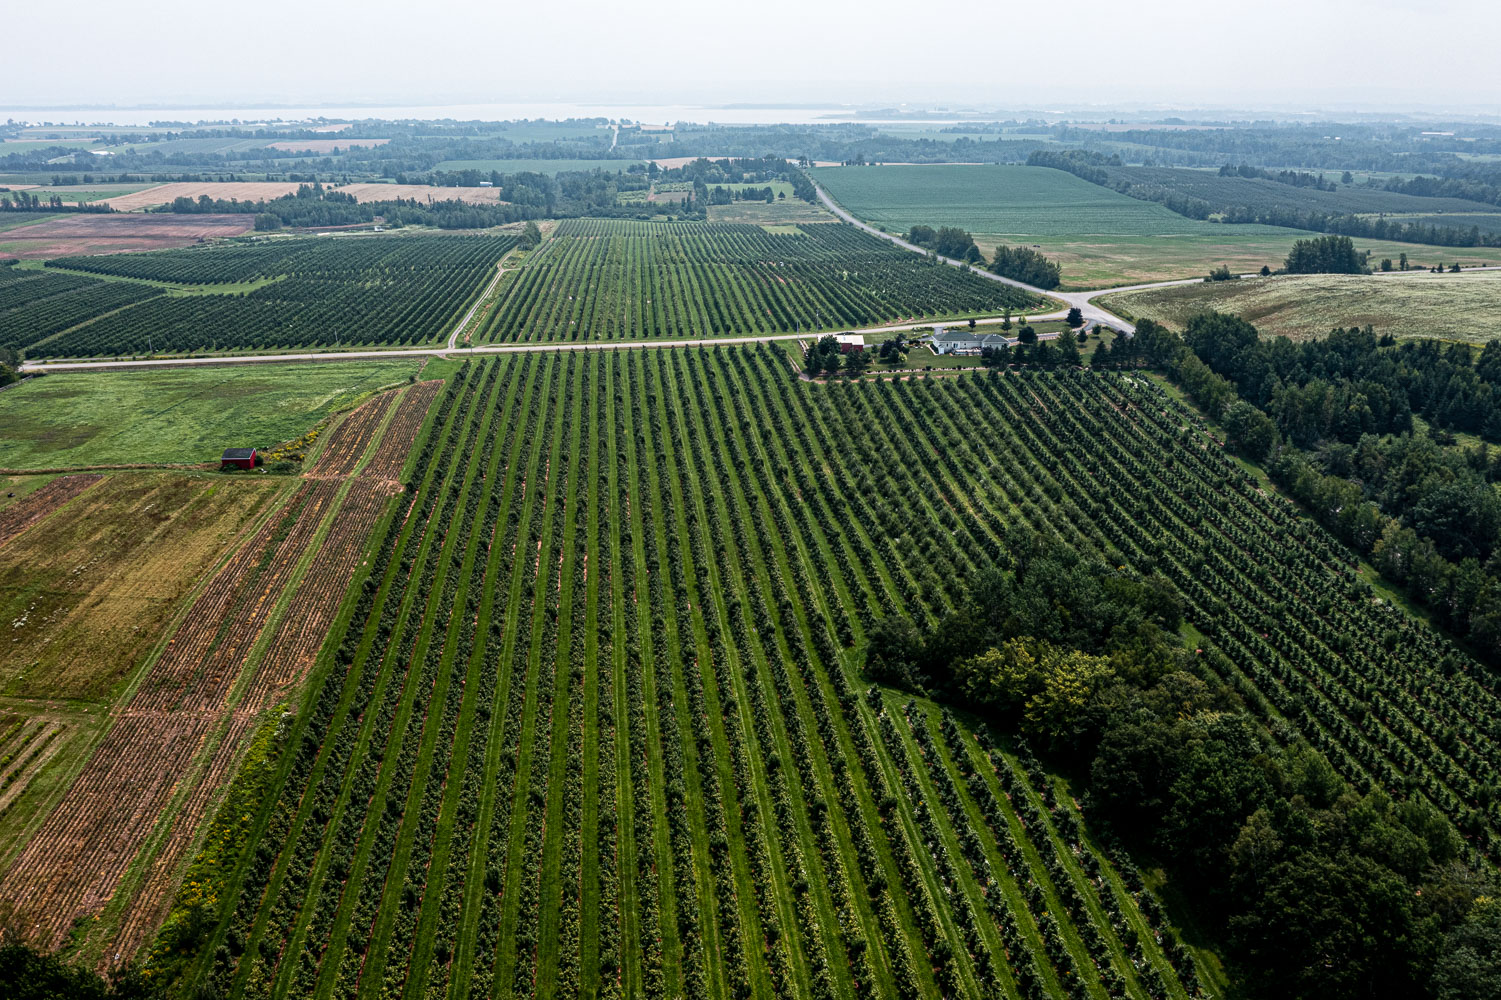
x=177, y=416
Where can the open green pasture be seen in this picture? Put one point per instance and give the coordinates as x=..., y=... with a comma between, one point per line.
x=181, y=415
x=1101, y=238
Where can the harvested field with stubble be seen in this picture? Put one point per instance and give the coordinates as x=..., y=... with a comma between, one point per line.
x=30, y=509
x=86, y=233
x=422, y=192
x=243, y=649
x=322, y=147
x=89, y=585
x=391, y=455
x=164, y=194
x=1301, y=306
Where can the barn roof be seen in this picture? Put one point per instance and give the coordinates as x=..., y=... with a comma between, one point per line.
x=231, y=454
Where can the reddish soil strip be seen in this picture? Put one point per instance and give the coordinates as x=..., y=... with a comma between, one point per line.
x=202, y=683
x=391, y=454
x=154, y=900
x=311, y=613
x=30, y=509
x=89, y=233
x=72, y=865
x=346, y=444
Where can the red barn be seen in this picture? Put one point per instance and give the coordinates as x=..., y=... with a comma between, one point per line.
x=237, y=458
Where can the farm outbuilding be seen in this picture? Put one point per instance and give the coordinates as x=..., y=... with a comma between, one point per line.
x=237, y=458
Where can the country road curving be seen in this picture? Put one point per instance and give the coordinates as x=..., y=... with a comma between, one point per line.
x=1083, y=301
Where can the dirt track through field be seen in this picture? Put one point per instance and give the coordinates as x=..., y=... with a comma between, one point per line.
x=161, y=739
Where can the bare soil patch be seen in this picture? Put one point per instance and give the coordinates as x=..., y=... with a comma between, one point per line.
x=64, y=236
x=162, y=194
x=422, y=192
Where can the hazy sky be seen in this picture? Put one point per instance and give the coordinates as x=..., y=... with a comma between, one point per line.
x=1005, y=53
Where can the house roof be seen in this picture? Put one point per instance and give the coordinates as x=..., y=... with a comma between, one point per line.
x=955, y=337
x=849, y=338
x=240, y=454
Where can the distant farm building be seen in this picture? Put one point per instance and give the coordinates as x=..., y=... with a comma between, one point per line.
x=237, y=458
x=849, y=342
x=487, y=184
x=955, y=342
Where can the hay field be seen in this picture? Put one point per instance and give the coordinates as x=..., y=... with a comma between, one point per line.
x=1414, y=304
x=423, y=193
x=323, y=146
x=218, y=190
x=90, y=587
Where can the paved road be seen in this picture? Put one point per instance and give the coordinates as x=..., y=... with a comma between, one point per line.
x=1083, y=301
x=1080, y=300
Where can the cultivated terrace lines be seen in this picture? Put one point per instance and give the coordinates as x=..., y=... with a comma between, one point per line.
x=243, y=647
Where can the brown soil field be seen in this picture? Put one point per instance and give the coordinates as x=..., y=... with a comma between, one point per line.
x=34, y=506
x=203, y=660
x=423, y=193
x=391, y=455
x=217, y=190
x=89, y=589
x=346, y=444
x=179, y=738
x=85, y=233
x=323, y=146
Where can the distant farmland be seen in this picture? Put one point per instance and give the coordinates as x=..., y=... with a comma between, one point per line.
x=1449, y=306
x=1101, y=237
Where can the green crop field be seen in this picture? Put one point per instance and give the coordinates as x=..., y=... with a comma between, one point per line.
x=176, y=416
x=1101, y=238
x=585, y=744
x=329, y=292
x=618, y=280
x=596, y=725
x=1447, y=306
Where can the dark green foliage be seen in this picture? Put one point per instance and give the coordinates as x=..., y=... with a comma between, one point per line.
x=1027, y=266
x=1471, y=962
x=30, y=975
x=947, y=241
x=358, y=290
x=1324, y=255
x=1249, y=431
